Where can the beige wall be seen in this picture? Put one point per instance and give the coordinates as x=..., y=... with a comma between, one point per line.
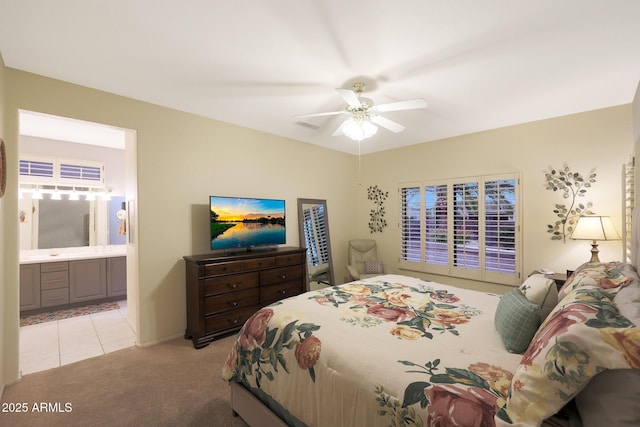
x=598, y=139
x=181, y=160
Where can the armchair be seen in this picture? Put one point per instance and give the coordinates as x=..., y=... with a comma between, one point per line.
x=363, y=259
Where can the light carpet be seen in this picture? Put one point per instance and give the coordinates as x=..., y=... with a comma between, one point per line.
x=168, y=384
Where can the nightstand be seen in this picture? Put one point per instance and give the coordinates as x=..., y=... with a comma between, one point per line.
x=559, y=278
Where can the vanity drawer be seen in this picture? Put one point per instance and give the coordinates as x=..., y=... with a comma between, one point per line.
x=52, y=297
x=54, y=280
x=47, y=267
x=279, y=275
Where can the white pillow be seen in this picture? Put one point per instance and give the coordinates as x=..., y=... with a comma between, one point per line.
x=542, y=291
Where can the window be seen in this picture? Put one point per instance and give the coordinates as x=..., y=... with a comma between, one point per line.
x=54, y=171
x=36, y=169
x=462, y=227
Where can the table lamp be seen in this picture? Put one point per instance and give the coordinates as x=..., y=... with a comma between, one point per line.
x=595, y=228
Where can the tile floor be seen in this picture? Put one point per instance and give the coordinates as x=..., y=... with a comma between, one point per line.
x=61, y=342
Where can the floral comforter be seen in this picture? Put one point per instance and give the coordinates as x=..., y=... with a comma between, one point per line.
x=386, y=351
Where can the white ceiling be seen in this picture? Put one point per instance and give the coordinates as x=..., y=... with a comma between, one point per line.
x=257, y=63
x=70, y=130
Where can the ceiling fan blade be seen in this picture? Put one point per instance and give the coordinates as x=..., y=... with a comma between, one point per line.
x=349, y=97
x=331, y=113
x=387, y=124
x=409, y=104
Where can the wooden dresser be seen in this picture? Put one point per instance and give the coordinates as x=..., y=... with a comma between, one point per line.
x=223, y=291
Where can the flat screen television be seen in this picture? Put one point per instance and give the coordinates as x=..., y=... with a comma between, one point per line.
x=241, y=222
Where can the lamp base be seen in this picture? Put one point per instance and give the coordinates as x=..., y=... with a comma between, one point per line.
x=594, y=253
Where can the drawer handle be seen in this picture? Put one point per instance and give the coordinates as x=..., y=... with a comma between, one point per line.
x=284, y=276
x=234, y=321
x=233, y=285
x=233, y=303
x=283, y=292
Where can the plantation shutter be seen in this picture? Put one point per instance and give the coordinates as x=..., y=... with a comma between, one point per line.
x=410, y=219
x=315, y=235
x=466, y=233
x=499, y=223
x=464, y=227
x=437, y=224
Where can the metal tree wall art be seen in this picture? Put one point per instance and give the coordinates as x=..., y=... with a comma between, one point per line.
x=572, y=185
x=377, y=221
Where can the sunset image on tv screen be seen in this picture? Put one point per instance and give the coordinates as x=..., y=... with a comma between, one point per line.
x=245, y=222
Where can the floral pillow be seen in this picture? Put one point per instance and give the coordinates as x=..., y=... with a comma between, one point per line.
x=607, y=276
x=583, y=336
x=542, y=291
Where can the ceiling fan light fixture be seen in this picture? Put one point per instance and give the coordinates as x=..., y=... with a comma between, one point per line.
x=359, y=129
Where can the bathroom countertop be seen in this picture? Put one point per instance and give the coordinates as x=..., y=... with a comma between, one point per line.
x=35, y=256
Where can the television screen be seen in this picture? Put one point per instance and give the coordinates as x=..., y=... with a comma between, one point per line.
x=238, y=222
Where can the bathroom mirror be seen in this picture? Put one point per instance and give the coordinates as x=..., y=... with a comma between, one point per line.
x=314, y=235
x=64, y=223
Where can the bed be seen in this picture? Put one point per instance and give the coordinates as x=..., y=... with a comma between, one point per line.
x=395, y=350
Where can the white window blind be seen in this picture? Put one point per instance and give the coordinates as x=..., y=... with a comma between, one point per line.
x=80, y=172
x=56, y=171
x=36, y=169
x=470, y=228
x=315, y=235
x=436, y=224
x=410, y=219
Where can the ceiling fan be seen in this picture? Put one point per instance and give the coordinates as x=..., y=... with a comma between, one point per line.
x=364, y=115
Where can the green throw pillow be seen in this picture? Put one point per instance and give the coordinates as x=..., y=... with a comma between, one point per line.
x=517, y=319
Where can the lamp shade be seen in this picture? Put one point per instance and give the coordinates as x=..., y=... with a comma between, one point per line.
x=595, y=228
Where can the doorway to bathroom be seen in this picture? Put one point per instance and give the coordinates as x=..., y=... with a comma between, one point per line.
x=77, y=184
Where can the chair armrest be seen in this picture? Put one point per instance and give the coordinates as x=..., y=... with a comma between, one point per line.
x=353, y=272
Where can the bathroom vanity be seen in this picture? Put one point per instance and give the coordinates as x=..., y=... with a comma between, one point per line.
x=71, y=277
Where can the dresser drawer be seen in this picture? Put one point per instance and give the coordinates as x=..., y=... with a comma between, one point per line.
x=52, y=297
x=291, y=259
x=231, y=301
x=273, y=293
x=54, y=280
x=222, y=268
x=231, y=283
x=279, y=275
x=231, y=320
x=258, y=263
x=47, y=267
